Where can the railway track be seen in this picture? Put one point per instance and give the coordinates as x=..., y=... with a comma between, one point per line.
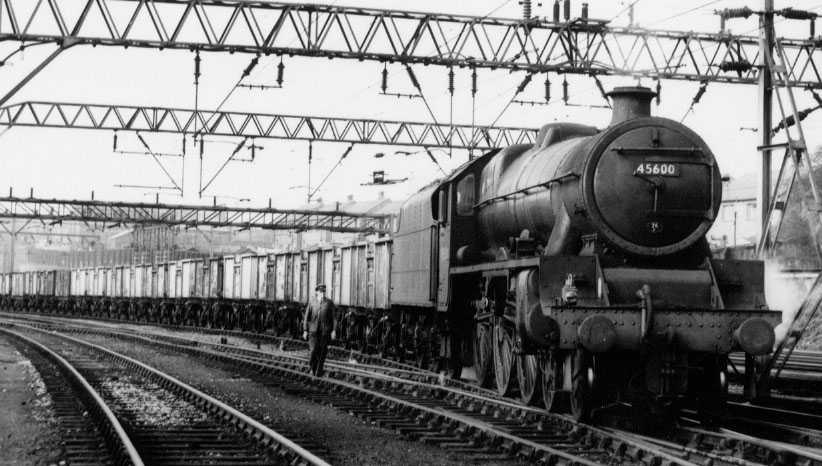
x=283, y=342
x=471, y=426
x=790, y=426
x=336, y=355
x=802, y=375
x=162, y=420
x=90, y=433
x=465, y=419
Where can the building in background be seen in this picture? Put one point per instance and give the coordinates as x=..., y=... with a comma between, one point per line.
x=738, y=221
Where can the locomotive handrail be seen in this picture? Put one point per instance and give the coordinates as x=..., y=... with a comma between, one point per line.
x=657, y=150
x=544, y=185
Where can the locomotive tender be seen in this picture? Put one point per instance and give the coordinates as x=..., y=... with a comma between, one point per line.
x=574, y=271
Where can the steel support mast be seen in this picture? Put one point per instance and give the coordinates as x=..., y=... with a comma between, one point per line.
x=766, y=46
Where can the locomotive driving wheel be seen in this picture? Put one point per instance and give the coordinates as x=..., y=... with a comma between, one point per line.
x=554, y=399
x=582, y=380
x=504, y=360
x=529, y=377
x=483, y=354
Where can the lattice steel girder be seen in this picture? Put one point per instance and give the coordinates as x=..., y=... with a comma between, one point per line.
x=578, y=46
x=191, y=215
x=256, y=125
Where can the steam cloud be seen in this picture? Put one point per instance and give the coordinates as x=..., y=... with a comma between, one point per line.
x=785, y=293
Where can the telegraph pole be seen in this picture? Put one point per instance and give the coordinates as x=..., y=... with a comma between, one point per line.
x=766, y=46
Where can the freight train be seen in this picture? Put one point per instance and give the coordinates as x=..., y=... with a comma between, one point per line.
x=573, y=272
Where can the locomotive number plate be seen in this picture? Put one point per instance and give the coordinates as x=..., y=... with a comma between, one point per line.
x=657, y=169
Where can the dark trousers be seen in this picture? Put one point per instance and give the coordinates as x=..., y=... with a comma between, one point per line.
x=318, y=346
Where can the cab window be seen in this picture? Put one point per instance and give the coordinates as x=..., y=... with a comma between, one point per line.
x=465, y=196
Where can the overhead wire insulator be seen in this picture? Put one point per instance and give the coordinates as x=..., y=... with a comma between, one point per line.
x=253, y=64
x=115, y=141
x=413, y=78
x=473, y=82
x=738, y=66
x=524, y=83
x=526, y=9
x=347, y=151
x=143, y=141
x=790, y=120
x=556, y=11
x=547, y=88
x=792, y=13
x=280, y=73
x=451, y=81
x=584, y=11
x=384, y=86
x=658, y=91
x=703, y=86
x=565, y=89
x=567, y=9
x=729, y=13
x=601, y=89
x=197, y=72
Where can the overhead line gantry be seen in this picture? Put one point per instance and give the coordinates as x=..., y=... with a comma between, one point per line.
x=260, y=125
x=133, y=213
x=581, y=45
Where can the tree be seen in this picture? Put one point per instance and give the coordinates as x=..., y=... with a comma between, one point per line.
x=799, y=242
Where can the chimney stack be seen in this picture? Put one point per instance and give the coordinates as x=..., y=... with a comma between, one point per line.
x=630, y=102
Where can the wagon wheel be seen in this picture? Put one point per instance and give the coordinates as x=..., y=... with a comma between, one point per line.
x=553, y=397
x=530, y=378
x=504, y=361
x=483, y=354
x=582, y=399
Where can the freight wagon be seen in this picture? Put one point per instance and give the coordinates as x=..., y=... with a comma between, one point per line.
x=255, y=292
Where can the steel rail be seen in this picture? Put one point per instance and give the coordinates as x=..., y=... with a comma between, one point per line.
x=115, y=432
x=254, y=429
x=725, y=434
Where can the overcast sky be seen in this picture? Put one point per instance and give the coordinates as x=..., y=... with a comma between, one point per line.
x=72, y=163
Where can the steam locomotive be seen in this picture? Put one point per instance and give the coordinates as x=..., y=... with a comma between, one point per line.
x=573, y=272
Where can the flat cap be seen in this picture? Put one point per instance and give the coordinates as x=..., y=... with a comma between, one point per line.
x=319, y=288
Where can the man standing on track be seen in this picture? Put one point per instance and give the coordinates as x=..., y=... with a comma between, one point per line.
x=319, y=328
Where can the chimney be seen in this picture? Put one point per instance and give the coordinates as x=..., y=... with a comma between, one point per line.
x=630, y=102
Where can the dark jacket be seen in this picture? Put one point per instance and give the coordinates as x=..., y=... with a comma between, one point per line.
x=319, y=317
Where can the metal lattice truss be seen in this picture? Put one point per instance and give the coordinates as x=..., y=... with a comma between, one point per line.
x=578, y=46
x=99, y=212
x=256, y=125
